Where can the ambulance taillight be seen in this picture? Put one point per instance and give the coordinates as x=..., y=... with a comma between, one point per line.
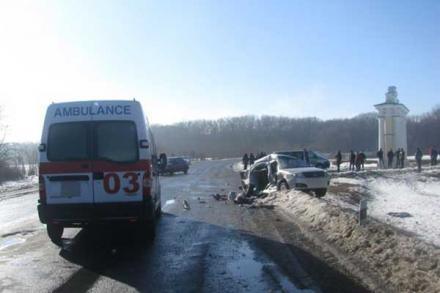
x=42, y=189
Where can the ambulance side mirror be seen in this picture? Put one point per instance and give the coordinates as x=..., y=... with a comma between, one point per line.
x=143, y=144
x=42, y=147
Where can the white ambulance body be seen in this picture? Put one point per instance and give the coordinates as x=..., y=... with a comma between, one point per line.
x=98, y=164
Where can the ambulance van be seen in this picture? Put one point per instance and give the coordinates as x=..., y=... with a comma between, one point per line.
x=98, y=164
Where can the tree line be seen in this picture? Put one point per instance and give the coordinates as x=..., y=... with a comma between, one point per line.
x=235, y=136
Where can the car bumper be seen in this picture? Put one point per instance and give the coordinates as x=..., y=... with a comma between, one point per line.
x=78, y=215
x=309, y=183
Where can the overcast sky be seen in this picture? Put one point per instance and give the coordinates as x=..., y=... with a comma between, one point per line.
x=208, y=59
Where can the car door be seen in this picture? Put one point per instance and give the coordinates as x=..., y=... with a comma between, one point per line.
x=67, y=173
x=117, y=170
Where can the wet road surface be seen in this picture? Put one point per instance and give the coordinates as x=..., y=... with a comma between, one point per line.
x=215, y=246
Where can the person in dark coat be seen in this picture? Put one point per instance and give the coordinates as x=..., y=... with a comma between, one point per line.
x=338, y=158
x=402, y=158
x=251, y=159
x=434, y=155
x=245, y=161
x=306, y=156
x=363, y=159
x=397, y=158
x=380, y=158
x=358, y=161
x=390, y=156
x=352, y=160
x=419, y=156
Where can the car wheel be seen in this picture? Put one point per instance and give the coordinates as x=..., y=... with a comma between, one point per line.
x=55, y=232
x=320, y=192
x=282, y=186
x=185, y=172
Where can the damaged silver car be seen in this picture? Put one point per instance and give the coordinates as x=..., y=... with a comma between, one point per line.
x=284, y=172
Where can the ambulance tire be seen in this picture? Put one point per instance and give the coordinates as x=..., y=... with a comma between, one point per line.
x=148, y=231
x=55, y=232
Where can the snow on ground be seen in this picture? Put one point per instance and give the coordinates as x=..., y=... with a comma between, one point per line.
x=410, y=202
x=403, y=198
x=28, y=182
x=380, y=255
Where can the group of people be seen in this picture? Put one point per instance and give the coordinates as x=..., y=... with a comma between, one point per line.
x=250, y=160
x=357, y=160
x=399, y=156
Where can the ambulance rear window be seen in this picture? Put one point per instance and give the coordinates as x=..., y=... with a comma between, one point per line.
x=116, y=141
x=68, y=142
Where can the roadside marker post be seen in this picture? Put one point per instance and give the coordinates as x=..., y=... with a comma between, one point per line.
x=363, y=212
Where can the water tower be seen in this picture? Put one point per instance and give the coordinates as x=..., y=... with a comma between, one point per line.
x=392, y=123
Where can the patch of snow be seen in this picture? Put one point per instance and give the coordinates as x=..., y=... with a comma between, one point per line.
x=414, y=194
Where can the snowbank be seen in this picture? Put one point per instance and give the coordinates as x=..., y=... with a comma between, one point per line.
x=382, y=256
x=401, y=197
x=28, y=182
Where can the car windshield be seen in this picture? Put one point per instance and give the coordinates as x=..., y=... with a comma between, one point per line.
x=286, y=162
x=103, y=140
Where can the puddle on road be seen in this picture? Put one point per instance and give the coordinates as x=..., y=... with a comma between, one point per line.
x=247, y=268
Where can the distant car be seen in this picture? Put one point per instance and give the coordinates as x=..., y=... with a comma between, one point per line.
x=176, y=164
x=285, y=172
x=316, y=159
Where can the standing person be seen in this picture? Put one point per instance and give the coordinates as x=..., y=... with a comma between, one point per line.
x=352, y=160
x=363, y=159
x=380, y=158
x=397, y=158
x=338, y=160
x=358, y=161
x=251, y=159
x=390, y=156
x=402, y=158
x=306, y=156
x=419, y=156
x=434, y=155
x=245, y=161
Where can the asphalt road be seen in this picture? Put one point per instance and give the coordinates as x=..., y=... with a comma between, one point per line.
x=215, y=246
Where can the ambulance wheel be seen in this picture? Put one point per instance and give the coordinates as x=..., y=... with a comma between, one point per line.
x=148, y=231
x=55, y=232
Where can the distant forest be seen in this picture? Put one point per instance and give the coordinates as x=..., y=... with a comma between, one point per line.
x=237, y=135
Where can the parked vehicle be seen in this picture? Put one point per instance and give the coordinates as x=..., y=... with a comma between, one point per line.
x=315, y=158
x=176, y=164
x=285, y=172
x=98, y=164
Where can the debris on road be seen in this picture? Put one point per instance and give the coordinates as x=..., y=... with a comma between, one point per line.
x=219, y=196
x=186, y=205
x=400, y=215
